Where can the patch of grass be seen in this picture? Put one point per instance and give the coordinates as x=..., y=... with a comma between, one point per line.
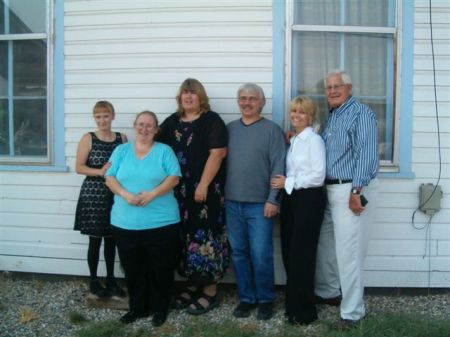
x=76, y=318
x=114, y=328
x=386, y=325
x=397, y=325
x=318, y=329
x=104, y=329
x=141, y=332
x=198, y=328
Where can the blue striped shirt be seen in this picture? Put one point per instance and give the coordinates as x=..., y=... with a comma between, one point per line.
x=351, y=143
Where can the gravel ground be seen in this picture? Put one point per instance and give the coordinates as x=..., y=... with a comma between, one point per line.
x=43, y=306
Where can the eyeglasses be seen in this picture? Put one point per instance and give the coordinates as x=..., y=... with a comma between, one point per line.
x=146, y=126
x=251, y=99
x=334, y=87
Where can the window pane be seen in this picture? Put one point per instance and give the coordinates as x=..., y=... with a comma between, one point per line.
x=30, y=127
x=3, y=69
x=30, y=68
x=375, y=13
x=369, y=60
x=2, y=17
x=4, y=127
x=23, y=81
x=27, y=16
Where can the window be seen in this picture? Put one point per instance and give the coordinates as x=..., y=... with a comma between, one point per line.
x=360, y=36
x=25, y=111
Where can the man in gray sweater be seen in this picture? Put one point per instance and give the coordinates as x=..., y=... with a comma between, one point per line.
x=256, y=152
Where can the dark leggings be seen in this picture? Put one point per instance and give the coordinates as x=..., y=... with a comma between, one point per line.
x=94, y=254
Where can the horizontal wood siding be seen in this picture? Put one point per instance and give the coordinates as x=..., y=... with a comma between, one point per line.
x=400, y=253
x=136, y=53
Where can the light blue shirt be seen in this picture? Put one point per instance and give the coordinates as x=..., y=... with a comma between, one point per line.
x=351, y=143
x=139, y=175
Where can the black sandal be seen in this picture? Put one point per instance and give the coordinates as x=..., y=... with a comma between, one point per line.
x=182, y=302
x=213, y=302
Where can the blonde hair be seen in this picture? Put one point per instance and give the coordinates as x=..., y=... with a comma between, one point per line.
x=194, y=86
x=306, y=104
x=103, y=104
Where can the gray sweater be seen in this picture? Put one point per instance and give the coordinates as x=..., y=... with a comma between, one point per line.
x=256, y=153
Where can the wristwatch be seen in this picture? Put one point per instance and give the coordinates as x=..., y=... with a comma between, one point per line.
x=356, y=191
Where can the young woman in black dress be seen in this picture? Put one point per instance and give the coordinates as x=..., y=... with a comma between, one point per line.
x=95, y=201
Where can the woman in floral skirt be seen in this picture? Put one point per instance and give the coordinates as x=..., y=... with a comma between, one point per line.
x=198, y=137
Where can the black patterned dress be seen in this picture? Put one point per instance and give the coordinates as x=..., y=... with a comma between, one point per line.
x=204, y=250
x=93, y=212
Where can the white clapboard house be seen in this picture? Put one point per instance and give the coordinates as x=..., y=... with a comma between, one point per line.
x=57, y=58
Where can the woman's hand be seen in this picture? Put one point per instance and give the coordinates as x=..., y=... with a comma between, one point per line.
x=131, y=198
x=278, y=181
x=146, y=197
x=105, y=168
x=201, y=192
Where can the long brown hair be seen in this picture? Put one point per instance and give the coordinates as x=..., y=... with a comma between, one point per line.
x=194, y=86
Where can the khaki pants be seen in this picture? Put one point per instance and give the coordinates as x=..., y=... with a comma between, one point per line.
x=343, y=242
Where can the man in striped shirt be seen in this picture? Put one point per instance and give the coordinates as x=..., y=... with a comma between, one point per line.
x=350, y=136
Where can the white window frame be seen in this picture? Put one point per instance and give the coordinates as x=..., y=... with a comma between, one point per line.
x=34, y=160
x=396, y=31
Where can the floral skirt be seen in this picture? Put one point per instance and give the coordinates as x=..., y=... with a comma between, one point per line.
x=205, y=257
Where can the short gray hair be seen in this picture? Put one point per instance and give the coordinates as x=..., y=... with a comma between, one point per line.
x=252, y=87
x=346, y=79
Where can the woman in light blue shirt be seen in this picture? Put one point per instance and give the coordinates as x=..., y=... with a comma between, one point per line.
x=145, y=219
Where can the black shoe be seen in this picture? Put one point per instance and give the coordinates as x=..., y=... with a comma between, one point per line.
x=345, y=324
x=304, y=321
x=243, y=309
x=113, y=288
x=333, y=301
x=97, y=289
x=131, y=316
x=265, y=311
x=159, y=318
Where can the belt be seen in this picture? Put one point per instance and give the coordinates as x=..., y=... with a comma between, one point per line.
x=337, y=181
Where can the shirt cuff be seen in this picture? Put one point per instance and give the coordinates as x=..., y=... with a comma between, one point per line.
x=273, y=196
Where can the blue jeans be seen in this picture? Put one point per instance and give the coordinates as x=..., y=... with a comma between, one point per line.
x=250, y=237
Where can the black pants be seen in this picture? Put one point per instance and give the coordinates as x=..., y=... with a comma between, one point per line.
x=301, y=218
x=148, y=258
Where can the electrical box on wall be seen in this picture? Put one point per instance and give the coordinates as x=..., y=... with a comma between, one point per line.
x=430, y=196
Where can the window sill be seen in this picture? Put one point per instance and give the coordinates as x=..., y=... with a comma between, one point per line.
x=36, y=168
x=389, y=174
